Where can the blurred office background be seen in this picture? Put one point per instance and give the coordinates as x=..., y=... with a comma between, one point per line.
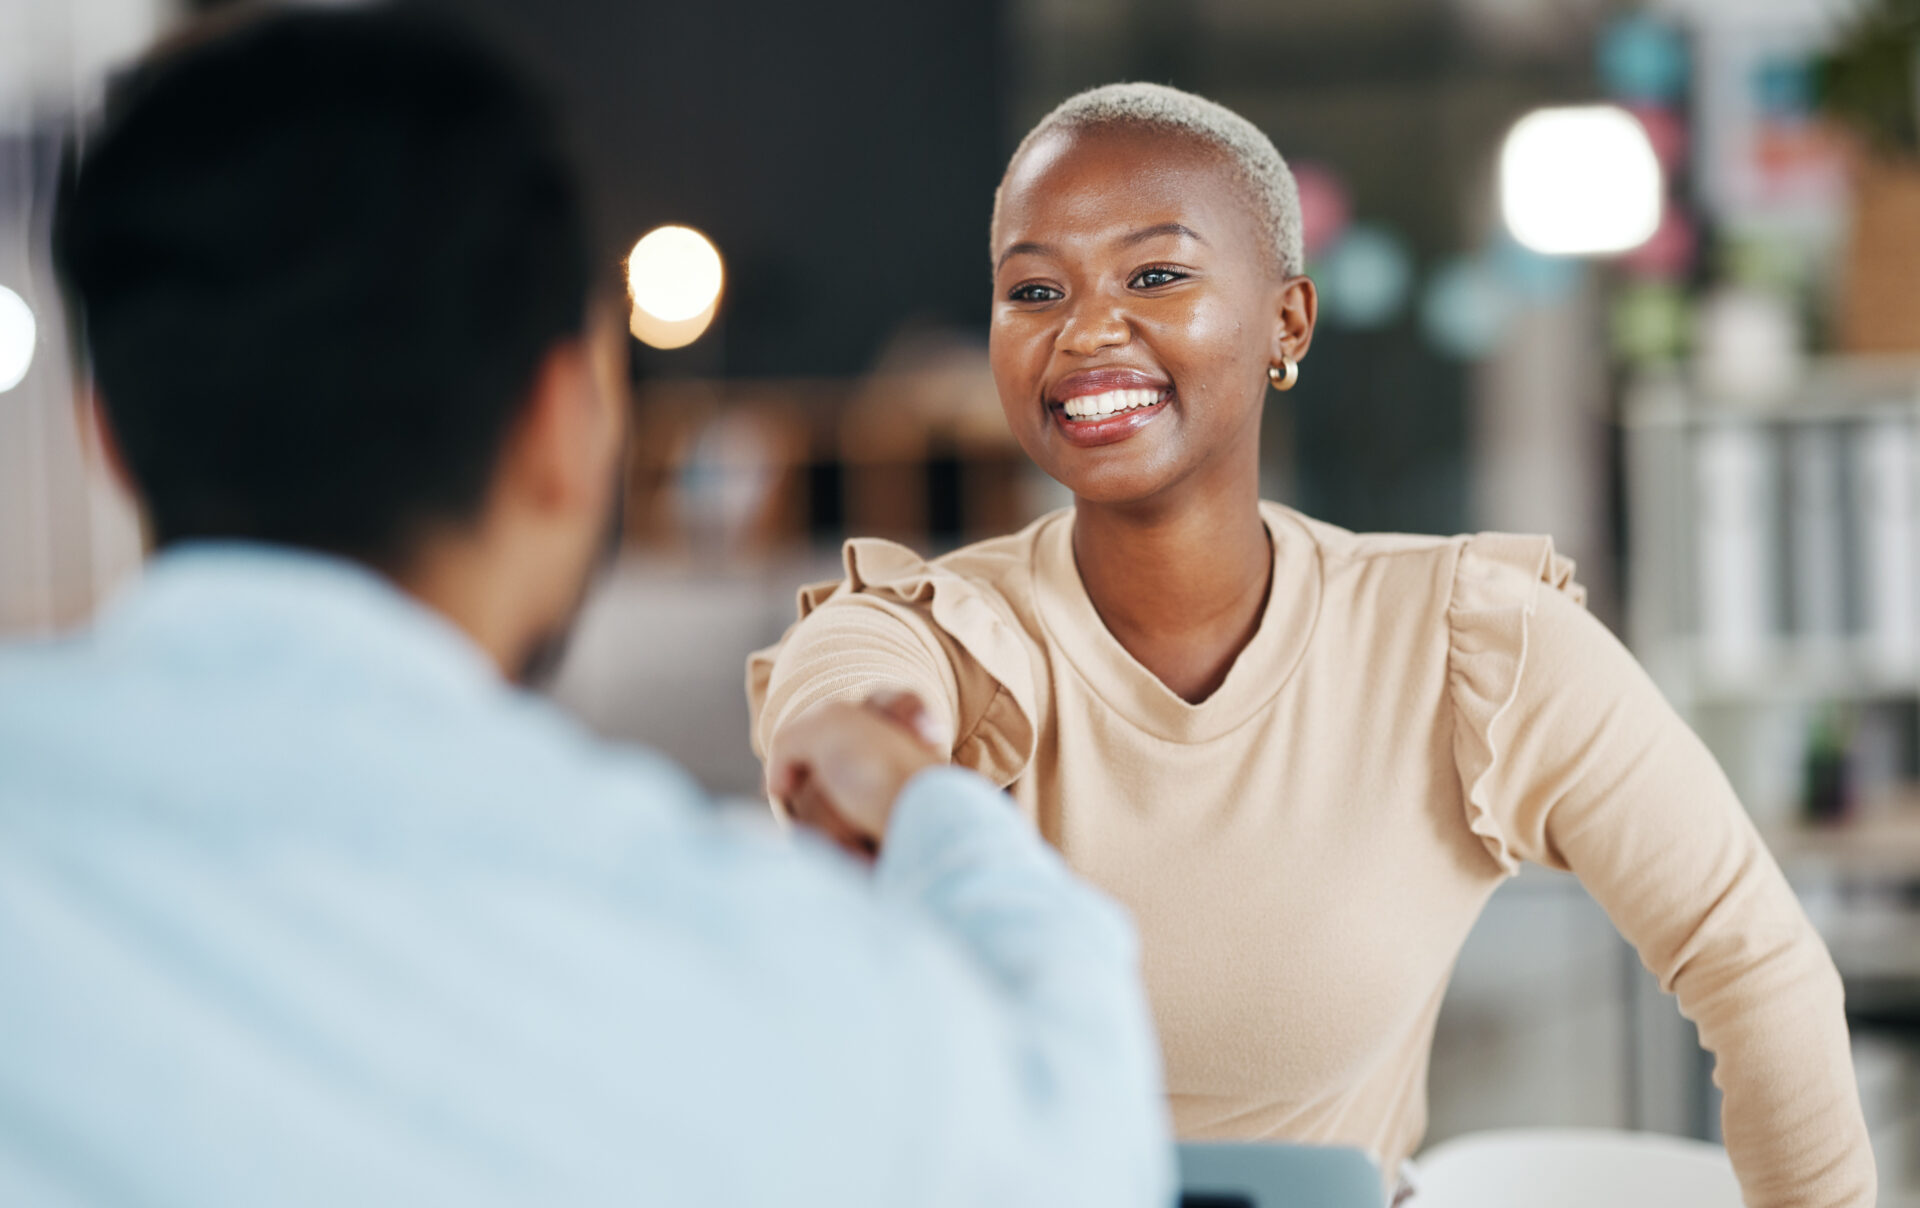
x=1680, y=332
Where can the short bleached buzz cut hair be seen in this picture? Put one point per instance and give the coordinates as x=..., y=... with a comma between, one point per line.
x=1251, y=154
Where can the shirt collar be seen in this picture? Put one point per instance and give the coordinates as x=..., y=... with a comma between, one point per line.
x=278, y=607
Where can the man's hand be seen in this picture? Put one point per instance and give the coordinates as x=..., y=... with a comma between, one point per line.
x=838, y=767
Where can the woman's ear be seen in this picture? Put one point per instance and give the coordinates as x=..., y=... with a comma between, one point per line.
x=1299, y=310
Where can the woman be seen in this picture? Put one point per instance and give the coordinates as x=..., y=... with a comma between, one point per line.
x=1304, y=758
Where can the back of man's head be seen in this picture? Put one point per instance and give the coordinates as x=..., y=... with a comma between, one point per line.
x=319, y=257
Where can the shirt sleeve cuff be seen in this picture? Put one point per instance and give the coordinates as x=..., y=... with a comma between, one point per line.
x=948, y=819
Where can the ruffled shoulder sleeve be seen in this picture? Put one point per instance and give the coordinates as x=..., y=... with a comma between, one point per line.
x=897, y=619
x=1497, y=580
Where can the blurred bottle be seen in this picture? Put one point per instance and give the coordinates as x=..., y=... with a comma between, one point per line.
x=1816, y=540
x=1736, y=475
x=1828, y=794
x=1883, y=470
x=1749, y=346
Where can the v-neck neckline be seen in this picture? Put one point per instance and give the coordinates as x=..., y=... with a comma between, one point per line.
x=1258, y=673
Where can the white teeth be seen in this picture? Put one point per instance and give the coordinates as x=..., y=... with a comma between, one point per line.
x=1092, y=406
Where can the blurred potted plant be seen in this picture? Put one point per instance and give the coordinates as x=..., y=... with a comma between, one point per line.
x=1869, y=83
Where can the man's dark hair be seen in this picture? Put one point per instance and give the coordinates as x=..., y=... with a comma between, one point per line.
x=317, y=258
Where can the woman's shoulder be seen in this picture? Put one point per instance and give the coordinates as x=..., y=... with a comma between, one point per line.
x=996, y=572
x=1337, y=544
x=970, y=609
x=1469, y=570
x=1480, y=604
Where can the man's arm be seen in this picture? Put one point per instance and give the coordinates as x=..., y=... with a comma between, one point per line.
x=1036, y=1045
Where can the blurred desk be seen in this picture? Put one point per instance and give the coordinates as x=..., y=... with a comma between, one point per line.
x=1860, y=883
x=659, y=656
x=1883, y=845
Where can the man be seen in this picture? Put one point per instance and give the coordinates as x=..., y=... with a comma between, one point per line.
x=301, y=901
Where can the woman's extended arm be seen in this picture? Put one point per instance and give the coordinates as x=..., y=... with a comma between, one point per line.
x=847, y=650
x=1594, y=772
x=898, y=622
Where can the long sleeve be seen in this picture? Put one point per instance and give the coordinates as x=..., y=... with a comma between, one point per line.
x=846, y=651
x=967, y=1027
x=1589, y=769
x=897, y=621
x=1060, y=1103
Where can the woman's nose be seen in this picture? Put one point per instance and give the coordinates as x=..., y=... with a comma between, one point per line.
x=1094, y=328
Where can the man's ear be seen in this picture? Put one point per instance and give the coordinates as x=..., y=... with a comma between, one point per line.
x=555, y=456
x=1297, y=312
x=100, y=452
x=98, y=443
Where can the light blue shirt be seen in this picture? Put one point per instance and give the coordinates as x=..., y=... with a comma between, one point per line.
x=301, y=904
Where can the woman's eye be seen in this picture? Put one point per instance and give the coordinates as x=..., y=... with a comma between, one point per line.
x=1147, y=278
x=1033, y=293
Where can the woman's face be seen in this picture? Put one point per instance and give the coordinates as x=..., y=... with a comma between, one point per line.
x=1136, y=310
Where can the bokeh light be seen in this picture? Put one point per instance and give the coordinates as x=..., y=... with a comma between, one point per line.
x=1325, y=206
x=1642, y=57
x=1667, y=131
x=1652, y=323
x=1670, y=253
x=1466, y=308
x=674, y=276
x=18, y=335
x=1531, y=277
x=1580, y=181
x=1364, y=278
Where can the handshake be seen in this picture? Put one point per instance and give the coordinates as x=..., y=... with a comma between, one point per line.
x=838, y=767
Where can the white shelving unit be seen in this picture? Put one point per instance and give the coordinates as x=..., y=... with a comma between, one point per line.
x=1723, y=502
x=1809, y=503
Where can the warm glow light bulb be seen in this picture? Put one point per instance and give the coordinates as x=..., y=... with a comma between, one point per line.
x=1580, y=181
x=674, y=275
x=17, y=338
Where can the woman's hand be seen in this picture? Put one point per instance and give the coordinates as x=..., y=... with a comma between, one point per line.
x=838, y=767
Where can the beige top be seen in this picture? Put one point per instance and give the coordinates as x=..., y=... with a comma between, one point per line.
x=1306, y=850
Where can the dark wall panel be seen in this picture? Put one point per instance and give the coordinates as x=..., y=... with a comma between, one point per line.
x=843, y=156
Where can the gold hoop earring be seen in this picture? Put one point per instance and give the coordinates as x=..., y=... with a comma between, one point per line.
x=1284, y=379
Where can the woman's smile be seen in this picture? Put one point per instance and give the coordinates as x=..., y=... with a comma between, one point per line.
x=1103, y=406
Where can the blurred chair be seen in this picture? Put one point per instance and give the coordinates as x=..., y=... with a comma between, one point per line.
x=1237, y=1175
x=1575, y=1168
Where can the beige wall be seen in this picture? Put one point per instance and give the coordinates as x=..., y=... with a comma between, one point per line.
x=66, y=535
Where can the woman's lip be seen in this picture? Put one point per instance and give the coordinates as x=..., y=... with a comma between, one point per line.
x=1100, y=381
x=1108, y=429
